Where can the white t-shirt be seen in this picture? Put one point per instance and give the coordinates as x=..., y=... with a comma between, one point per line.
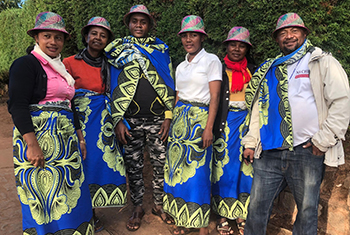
x=192, y=78
x=302, y=101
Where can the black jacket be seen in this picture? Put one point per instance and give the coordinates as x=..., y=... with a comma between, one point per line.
x=221, y=115
x=27, y=85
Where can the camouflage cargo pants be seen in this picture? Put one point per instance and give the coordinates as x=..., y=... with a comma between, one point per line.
x=144, y=132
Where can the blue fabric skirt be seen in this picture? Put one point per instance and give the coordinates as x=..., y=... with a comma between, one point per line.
x=232, y=178
x=187, y=170
x=105, y=170
x=54, y=199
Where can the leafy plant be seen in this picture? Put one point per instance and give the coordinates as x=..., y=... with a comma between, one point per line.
x=326, y=19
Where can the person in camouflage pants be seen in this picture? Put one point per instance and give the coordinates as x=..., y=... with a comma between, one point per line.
x=143, y=95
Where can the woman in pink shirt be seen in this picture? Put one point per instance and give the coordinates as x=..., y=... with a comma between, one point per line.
x=49, y=147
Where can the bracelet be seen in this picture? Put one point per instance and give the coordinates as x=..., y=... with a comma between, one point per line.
x=82, y=141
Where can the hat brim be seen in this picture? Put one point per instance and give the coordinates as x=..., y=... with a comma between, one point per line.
x=298, y=26
x=32, y=32
x=126, y=18
x=84, y=30
x=192, y=31
x=229, y=40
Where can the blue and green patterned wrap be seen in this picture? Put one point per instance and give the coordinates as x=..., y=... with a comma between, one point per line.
x=104, y=164
x=130, y=57
x=269, y=86
x=232, y=178
x=187, y=169
x=54, y=199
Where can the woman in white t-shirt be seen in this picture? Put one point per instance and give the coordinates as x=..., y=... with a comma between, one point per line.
x=187, y=170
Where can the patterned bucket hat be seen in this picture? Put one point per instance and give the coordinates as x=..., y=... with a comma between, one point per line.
x=240, y=34
x=99, y=22
x=192, y=23
x=48, y=21
x=138, y=9
x=289, y=20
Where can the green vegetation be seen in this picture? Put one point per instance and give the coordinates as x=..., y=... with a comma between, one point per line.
x=7, y=4
x=327, y=20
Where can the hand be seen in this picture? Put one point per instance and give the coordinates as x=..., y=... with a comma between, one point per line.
x=164, y=130
x=35, y=155
x=121, y=130
x=207, y=138
x=315, y=150
x=82, y=143
x=248, y=156
x=83, y=148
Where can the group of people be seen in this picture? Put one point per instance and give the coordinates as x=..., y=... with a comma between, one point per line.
x=82, y=126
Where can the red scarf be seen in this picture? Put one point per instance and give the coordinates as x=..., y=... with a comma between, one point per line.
x=240, y=74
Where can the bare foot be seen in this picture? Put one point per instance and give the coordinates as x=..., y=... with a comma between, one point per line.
x=98, y=225
x=240, y=225
x=204, y=231
x=158, y=211
x=180, y=231
x=223, y=227
x=134, y=221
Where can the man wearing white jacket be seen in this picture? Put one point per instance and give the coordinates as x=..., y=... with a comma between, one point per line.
x=299, y=105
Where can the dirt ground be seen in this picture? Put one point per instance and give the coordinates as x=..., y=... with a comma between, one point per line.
x=115, y=219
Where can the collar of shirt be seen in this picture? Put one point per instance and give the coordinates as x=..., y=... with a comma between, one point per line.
x=196, y=58
x=40, y=58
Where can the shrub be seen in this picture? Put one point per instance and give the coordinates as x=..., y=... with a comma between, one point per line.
x=327, y=20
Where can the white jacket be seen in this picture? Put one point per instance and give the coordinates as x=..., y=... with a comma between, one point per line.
x=330, y=86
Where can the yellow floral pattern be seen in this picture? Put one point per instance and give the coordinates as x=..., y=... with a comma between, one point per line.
x=128, y=80
x=126, y=55
x=84, y=229
x=184, y=152
x=221, y=157
x=106, y=141
x=102, y=197
x=189, y=215
x=107, y=148
x=54, y=190
x=231, y=208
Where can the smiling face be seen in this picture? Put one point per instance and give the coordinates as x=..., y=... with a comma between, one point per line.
x=192, y=43
x=96, y=39
x=50, y=42
x=291, y=38
x=236, y=50
x=139, y=25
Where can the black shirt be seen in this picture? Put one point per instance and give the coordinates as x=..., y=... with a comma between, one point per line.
x=146, y=102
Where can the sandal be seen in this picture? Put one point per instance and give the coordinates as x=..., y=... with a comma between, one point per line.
x=240, y=227
x=98, y=225
x=220, y=227
x=159, y=212
x=133, y=226
x=181, y=231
